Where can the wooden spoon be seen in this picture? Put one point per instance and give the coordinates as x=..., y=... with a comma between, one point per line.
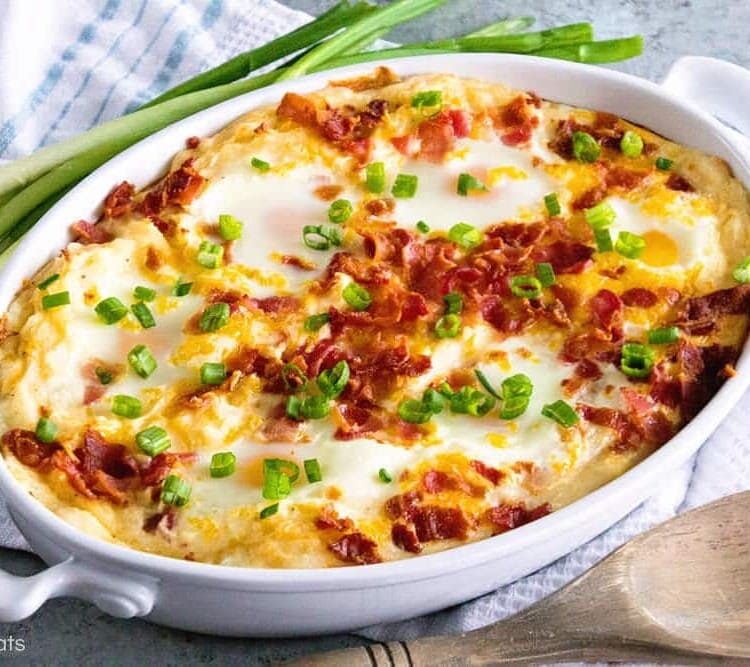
x=678, y=594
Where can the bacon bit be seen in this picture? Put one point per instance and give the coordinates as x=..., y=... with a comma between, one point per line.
x=354, y=421
x=382, y=76
x=590, y=197
x=356, y=548
x=565, y=256
x=93, y=392
x=436, y=138
x=502, y=318
x=329, y=519
x=492, y=474
x=407, y=145
x=298, y=262
x=154, y=260
x=597, y=345
x=731, y=301
x=380, y=207
x=664, y=388
x=517, y=234
x=505, y=517
x=460, y=122
x=160, y=520
x=608, y=135
x=669, y=294
x=700, y=373
x=328, y=192
x=86, y=232
x=298, y=109
x=166, y=227
x=606, y=310
x=27, y=449
x=516, y=121
x=639, y=297
x=178, y=188
x=193, y=142
x=624, y=178
x=344, y=262
x=679, y=183
x=275, y=305
x=432, y=522
x=157, y=469
x=729, y=371
x=402, y=506
x=119, y=201
x=586, y=371
x=405, y=538
x=437, y=481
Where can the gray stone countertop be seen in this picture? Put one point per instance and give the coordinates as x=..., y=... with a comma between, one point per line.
x=67, y=632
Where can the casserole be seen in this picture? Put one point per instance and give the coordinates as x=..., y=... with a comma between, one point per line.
x=161, y=589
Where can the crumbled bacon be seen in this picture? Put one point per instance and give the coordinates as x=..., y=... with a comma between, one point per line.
x=179, y=188
x=329, y=519
x=356, y=548
x=438, y=481
x=405, y=537
x=505, y=517
x=731, y=301
x=328, y=192
x=193, y=142
x=607, y=133
x=565, y=256
x=160, y=520
x=298, y=262
x=119, y=201
x=344, y=262
x=280, y=429
x=639, y=297
x=403, y=505
x=436, y=138
x=515, y=123
x=86, y=232
x=606, y=310
x=492, y=474
x=27, y=449
x=679, y=183
x=275, y=305
x=432, y=522
x=590, y=197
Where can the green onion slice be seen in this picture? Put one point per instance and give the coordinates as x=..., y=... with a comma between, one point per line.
x=142, y=293
x=630, y=245
x=467, y=182
x=312, y=471
x=454, y=303
x=514, y=407
x=223, y=464
x=210, y=255
x=552, y=204
x=665, y=164
x=600, y=216
x=126, y=406
x=105, y=376
x=269, y=511
x=181, y=288
x=663, y=335
x=427, y=98
x=142, y=361
x=153, y=440
x=260, y=165
x=230, y=229
x=357, y=296
x=468, y=400
x=517, y=385
x=546, y=274
x=143, y=314
x=603, y=240
x=111, y=310
x=46, y=430
x=631, y=144
x=742, y=271
x=528, y=287
x=375, y=177
x=175, y=491
x=278, y=477
x=585, y=147
x=293, y=378
x=48, y=281
x=293, y=406
x=315, y=322
x=340, y=211
x=413, y=411
x=467, y=236
x=636, y=360
x=333, y=381
x=314, y=407
x=214, y=317
x=484, y=381
x=448, y=326
x=321, y=237
x=56, y=300
x=433, y=401
x=561, y=412
x=384, y=476
x=213, y=373
x=423, y=227
x=405, y=186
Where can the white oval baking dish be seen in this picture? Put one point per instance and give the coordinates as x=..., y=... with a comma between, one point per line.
x=256, y=602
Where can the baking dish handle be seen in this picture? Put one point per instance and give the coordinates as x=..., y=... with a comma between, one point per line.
x=716, y=86
x=113, y=593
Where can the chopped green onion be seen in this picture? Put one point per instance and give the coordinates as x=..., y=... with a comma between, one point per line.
x=357, y=296
x=321, y=237
x=181, y=289
x=293, y=378
x=277, y=482
x=546, y=274
x=528, y=287
x=433, y=401
x=427, y=98
x=143, y=314
x=269, y=511
x=213, y=373
x=552, y=204
x=175, y=491
x=222, y=464
x=600, y=216
x=126, y=406
x=665, y=164
x=630, y=245
x=603, y=240
x=637, y=360
x=230, y=229
x=57, y=299
x=315, y=322
x=517, y=385
x=111, y=310
x=375, y=177
x=585, y=147
x=293, y=405
x=445, y=390
x=312, y=471
x=486, y=383
x=153, y=441
x=405, y=186
x=384, y=476
x=333, y=381
x=210, y=255
x=467, y=236
x=423, y=227
x=340, y=211
x=142, y=361
x=314, y=407
x=105, y=377
x=468, y=182
x=48, y=281
x=448, y=326
x=561, y=412
x=631, y=144
x=514, y=407
x=46, y=430
x=468, y=400
x=742, y=271
x=413, y=411
x=260, y=165
x=142, y=293
x=454, y=303
x=663, y=335
x=214, y=317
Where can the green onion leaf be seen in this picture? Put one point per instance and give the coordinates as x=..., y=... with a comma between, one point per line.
x=414, y=412
x=663, y=335
x=315, y=322
x=222, y=464
x=636, y=360
x=741, y=272
x=552, y=204
x=486, y=383
x=143, y=314
x=230, y=229
x=57, y=299
x=427, y=98
x=278, y=477
x=340, y=211
x=454, y=303
x=105, y=377
x=142, y=293
x=468, y=400
x=384, y=476
x=315, y=407
x=153, y=440
x=111, y=310
x=48, y=281
x=357, y=296
x=517, y=385
x=433, y=401
x=546, y=274
x=321, y=237
x=603, y=240
x=375, y=177
x=214, y=317
x=213, y=373
x=600, y=216
x=269, y=511
x=46, y=430
x=334, y=380
x=175, y=491
x=142, y=361
x=663, y=163
x=514, y=407
x=260, y=165
x=210, y=255
x=405, y=186
x=467, y=182
x=181, y=289
x=126, y=406
x=527, y=287
x=631, y=144
x=561, y=412
x=423, y=227
x=312, y=470
x=448, y=326
x=630, y=245
x=293, y=405
x=293, y=378
x=585, y=147
x=467, y=236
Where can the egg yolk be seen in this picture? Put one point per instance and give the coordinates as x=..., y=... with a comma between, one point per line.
x=661, y=250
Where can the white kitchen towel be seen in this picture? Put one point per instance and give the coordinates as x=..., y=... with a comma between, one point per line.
x=66, y=65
